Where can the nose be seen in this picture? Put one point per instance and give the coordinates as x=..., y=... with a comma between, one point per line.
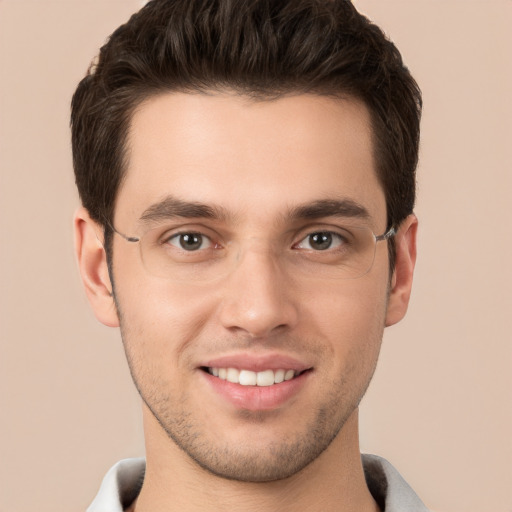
x=257, y=297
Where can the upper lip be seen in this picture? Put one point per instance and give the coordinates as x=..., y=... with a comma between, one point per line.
x=257, y=363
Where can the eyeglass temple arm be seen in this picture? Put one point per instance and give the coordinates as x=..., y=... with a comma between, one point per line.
x=126, y=237
x=387, y=235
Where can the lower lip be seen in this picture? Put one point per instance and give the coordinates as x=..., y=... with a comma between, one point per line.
x=257, y=398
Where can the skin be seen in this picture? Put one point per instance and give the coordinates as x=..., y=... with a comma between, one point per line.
x=257, y=161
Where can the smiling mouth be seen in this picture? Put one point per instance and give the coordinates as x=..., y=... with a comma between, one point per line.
x=250, y=378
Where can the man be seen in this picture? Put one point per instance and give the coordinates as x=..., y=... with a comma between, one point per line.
x=247, y=174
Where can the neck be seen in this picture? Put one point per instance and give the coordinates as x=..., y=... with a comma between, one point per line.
x=333, y=482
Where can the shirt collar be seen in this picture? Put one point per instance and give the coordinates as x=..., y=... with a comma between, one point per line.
x=123, y=482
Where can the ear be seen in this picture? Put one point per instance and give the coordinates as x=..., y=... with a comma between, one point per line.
x=401, y=282
x=92, y=263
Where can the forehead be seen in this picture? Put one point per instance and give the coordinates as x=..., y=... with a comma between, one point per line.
x=246, y=155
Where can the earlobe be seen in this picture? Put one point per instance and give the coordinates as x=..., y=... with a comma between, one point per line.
x=401, y=283
x=92, y=263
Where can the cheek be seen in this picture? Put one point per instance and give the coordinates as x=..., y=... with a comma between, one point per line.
x=153, y=306
x=351, y=315
x=159, y=329
x=350, y=303
x=158, y=320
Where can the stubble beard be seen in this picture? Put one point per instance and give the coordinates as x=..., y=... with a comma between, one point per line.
x=280, y=459
x=277, y=460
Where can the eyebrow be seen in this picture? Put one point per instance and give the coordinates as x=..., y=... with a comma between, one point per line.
x=172, y=207
x=330, y=208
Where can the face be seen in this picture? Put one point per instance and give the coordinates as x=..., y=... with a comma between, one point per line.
x=253, y=197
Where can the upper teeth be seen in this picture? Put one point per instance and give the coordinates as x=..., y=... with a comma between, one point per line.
x=249, y=378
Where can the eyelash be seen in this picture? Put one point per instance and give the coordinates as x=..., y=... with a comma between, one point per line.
x=176, y=236
x=332, y=234
x=213, y=245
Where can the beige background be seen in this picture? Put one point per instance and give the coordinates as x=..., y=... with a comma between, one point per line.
x=440, y=407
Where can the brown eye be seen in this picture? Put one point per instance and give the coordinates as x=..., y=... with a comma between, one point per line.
x=321, y=241
x=190, y=241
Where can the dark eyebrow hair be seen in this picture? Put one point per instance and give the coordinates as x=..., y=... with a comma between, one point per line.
x=330, y=208
x=170, y=207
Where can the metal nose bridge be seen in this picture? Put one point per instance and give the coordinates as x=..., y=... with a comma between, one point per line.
x=253, y=244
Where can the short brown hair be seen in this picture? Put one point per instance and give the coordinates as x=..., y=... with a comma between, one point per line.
x=259, y=48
